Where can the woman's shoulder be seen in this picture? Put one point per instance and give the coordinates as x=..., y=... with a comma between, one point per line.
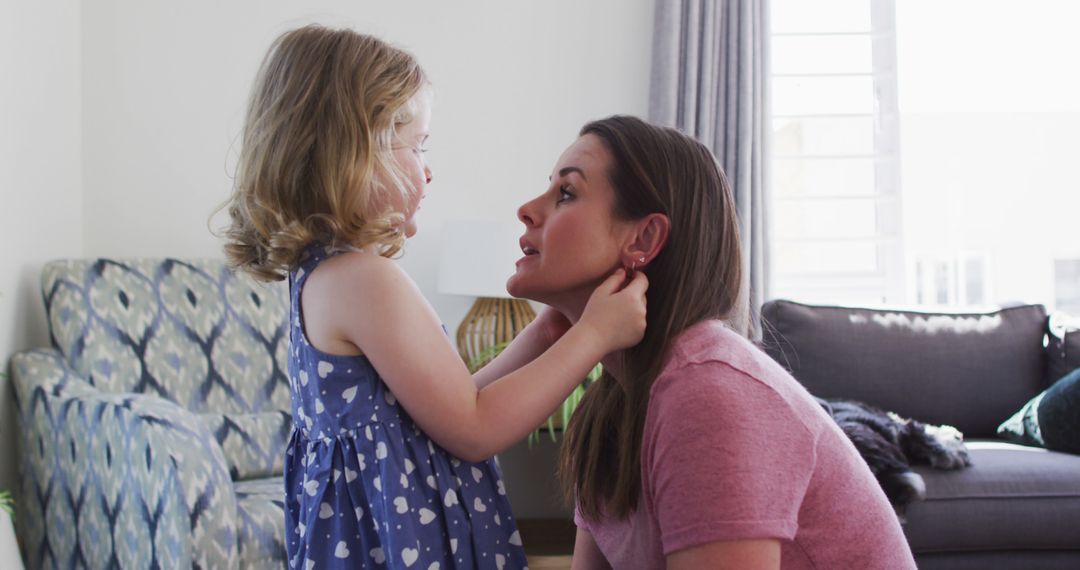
x=711, y=366
x=711, y=344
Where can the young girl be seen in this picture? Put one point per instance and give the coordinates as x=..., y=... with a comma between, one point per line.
x=388, y=465
x=695, y=449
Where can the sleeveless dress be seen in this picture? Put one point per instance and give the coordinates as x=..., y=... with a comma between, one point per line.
x=365, y=488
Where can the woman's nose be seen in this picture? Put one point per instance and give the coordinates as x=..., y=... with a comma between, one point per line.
x=427, y=173
x=527, y=213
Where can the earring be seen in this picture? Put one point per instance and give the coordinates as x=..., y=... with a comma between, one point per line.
x=642, y=259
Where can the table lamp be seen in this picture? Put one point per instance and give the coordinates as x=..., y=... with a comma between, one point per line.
x=478, y=257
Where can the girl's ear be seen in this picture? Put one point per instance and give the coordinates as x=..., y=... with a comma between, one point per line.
x=650, y=236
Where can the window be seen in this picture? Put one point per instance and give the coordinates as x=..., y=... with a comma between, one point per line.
x=919, y=159
x=835, y=210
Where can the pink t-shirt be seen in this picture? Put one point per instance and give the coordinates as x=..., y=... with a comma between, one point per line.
x=735, y=448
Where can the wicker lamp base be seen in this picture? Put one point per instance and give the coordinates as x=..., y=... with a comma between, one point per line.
x=491, y=322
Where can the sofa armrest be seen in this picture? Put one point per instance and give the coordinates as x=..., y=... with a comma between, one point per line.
x=116, y=479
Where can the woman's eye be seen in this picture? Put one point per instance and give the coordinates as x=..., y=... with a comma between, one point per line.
x=564, y=194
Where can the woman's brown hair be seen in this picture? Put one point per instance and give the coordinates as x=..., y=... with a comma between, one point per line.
x=696, y=276
x=315, y=160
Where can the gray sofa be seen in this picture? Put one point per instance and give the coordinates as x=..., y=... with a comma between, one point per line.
x=1016, y=506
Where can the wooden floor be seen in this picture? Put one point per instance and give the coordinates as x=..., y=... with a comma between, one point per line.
x=549, y=562
x=548, y=542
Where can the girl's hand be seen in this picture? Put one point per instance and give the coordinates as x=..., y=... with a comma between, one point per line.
x=552, y=325
x=615, y=313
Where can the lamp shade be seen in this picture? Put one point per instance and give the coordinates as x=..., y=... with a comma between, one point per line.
x=478, y=257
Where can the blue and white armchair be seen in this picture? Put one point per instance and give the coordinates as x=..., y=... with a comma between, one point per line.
x=152, y=433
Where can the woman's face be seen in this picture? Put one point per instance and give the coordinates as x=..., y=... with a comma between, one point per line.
x=572, y=239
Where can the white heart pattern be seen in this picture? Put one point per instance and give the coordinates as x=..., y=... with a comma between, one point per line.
x=477, y=474
x=309, y=564
x=401, y=505
x=325, y=368
x=390, y=399
x=409, y=556
x=325, y=511
x=337, y=475
x=349, y=395
x=312, y=487
x=478, y=505
x=342, y=550
x=404, y=481
x=451, y=498
x=453, y=546
x=350, y=475
x=378, y=555
x=500, y=561
x=431, y=481
x=359, y=513
x=502, y=488
x=378, y=483
x=303, y=378
x=409, y=467
x=380, y=451
x=319, y=408
x=426, y=516
x=498, y=521
x=434, y=566
x=515, y=539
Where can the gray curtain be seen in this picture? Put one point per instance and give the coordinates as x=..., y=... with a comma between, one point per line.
x=710, y=80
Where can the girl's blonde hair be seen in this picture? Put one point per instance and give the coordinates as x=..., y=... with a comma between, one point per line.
x=315, y=160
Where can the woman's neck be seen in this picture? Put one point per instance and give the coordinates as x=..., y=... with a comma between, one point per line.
x=572, y=307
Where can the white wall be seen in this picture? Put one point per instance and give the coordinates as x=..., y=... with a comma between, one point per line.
x=40, y=176
x=165, y=85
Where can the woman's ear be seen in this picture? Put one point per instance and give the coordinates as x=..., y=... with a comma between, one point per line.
x=650, y=236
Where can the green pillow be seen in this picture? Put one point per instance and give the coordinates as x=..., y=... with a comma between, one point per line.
x=1051, y=419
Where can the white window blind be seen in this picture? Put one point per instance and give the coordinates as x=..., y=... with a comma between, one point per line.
x=835, y=154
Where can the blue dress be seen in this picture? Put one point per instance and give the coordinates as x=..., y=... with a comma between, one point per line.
x=365, y=488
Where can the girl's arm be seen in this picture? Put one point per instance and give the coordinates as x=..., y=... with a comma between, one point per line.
x=761, y=554
x=537, y=337
x=587, y=555
x=371, y=303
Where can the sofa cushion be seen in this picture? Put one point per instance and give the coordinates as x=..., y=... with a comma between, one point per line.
x=1012, y=497
x=189, y=331
x=1051, y=419
x=253, y=444
x=968, y=370
x=260, y=506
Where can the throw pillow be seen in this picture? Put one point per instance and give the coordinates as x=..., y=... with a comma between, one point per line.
x=1051, y=419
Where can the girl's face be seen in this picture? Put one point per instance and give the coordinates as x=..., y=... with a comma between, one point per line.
x=408, y=154
x=572, y=239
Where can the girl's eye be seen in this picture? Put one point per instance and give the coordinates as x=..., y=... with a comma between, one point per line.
x=564, y=194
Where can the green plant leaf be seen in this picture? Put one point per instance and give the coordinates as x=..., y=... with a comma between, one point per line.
x=7, y=503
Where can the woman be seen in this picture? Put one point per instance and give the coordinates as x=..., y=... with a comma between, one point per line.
x=695, y=450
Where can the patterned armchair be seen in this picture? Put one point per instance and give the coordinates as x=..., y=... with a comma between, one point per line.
x=153, y=432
